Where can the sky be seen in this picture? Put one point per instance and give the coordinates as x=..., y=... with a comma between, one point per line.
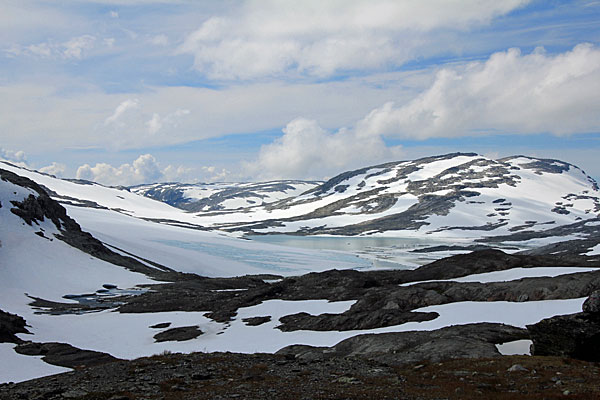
x=139, y=91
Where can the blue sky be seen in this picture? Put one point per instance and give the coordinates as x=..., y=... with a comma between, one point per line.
x=125, y=92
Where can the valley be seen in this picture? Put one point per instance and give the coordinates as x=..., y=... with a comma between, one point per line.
x=389, y=264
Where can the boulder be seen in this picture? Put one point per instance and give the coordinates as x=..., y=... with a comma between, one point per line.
x=592, y=304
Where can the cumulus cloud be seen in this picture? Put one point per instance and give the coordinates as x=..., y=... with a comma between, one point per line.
x=15, y=157
x=144, y=169
x=56, y=169
x=508, y=93
x=307, y=150
x=317, y=38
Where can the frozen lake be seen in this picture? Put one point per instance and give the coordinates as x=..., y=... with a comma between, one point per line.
x=383, y=252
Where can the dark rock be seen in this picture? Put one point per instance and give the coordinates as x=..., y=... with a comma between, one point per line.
x=592, y=303
x=109, y=286
x=64, y=355
x=403, y=348
x=162, y=325
x=10, y=325
x=255, y=321
x=178, y=334
x=351, y=320
x=576, y=336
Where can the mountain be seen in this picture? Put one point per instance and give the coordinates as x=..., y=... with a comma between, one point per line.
x=458, y=194
x=90, y=274
x=223, y=196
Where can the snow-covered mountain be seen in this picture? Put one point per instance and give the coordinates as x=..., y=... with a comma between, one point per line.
x=70, y=286
x=223, y=196
x=450, y=195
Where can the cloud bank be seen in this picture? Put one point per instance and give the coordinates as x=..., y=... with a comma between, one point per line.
x=146, y=169
x=508, y=93
x=317, y=38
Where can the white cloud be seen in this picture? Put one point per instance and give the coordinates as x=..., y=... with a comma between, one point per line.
x=73, y=48
x=145, y=169
x=71, y=113
x=307, y=150
x=317, y=38
x=77, y=45
x=156, y=123
x=14, y=157
x=508, y=93
x=160, y=40
x=109, y=42
x=120, y=111
x=215, y=174
x=56, y=169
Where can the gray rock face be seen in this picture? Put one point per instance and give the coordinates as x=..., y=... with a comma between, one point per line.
x=64, y=355
x=592, y=303
x=403, y=348
x=178, y=334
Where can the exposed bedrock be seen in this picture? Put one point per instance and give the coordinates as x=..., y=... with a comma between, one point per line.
x=575, y=335
x=403, y=348
x=10, y=325
x=64, y=355
x=380, y=298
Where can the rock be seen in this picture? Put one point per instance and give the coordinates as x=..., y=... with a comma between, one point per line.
x=517, y=368
x=10, y=325
x=109, y=286
x=352, y=320
x=576, y=336
x=255, y=321
x=64, y=355
x=403, y=348
x=74, y=394
x=178, y=334
x=162, y=325
x=592, y=304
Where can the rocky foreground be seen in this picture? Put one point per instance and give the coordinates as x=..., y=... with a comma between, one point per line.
x=265, y=376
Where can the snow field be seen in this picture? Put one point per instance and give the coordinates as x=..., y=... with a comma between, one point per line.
x=513, y=274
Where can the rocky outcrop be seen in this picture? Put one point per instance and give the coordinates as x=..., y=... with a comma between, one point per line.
x=180, y=334
x=576, y=335
x=10, y=325
x=402, y=348
x=351, y=320
x=381, y=300
x=64, y=355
